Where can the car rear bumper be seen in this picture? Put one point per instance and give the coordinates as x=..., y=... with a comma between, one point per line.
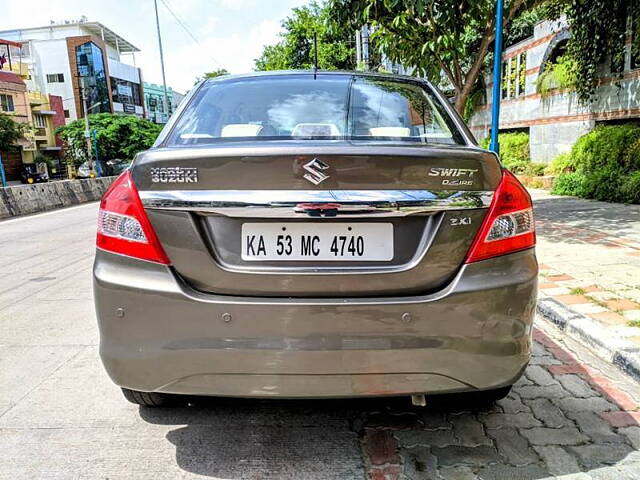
x=157, y=334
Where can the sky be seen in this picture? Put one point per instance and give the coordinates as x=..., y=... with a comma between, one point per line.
x=230, y=33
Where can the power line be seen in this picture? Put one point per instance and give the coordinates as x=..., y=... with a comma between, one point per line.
x=180, y=22
x=184, y=26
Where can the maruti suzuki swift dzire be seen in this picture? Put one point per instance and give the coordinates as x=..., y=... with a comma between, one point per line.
x=315, y=234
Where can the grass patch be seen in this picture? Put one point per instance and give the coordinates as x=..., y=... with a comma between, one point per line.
x=577, y=291
x=633, y=323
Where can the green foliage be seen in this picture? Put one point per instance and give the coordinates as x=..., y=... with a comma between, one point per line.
x=560, y=75
x=215, y=73
x=606, y=165
x=598, y=31
x=514, y=152
x=10, y=131
x=568, y=183
x=295, y=50
x=450, y=37
x=118, y=136
x=535, y=169
x=563, y=163
x=630, y=188
x=605, y=147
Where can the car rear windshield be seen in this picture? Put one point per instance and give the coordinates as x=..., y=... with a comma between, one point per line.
x=299, y=107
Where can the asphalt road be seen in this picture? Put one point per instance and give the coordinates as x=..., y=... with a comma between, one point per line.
x=61, y=417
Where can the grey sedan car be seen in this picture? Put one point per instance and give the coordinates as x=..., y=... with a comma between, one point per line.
x=315, y=234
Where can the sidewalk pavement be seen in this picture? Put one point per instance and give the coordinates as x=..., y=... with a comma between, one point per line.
x=589, y=254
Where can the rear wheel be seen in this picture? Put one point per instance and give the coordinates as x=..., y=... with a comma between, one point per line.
x=150, y=399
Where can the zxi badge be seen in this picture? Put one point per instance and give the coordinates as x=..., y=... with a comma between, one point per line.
x=315, y=168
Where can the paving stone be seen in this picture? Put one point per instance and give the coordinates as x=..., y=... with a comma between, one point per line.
x=457, y=473
x=539, y=375
x=468, y=430
x=523, y=381
x=512, y=404
x=544, y=361
x=538, y=349
x=419, y=463
x=595, y=427
x=576, y=386
x=428, y=438
x=513, y=446
x=622, y=419
x=434, y=420
x=549, y=413
x=594, y=404
x=459, y=455
x=554, y=436
x=380, y=446
x=632, y=434
x=617, y=472
x=504, y=472
x=592, y=456
x=402, y=421
x=549, y=391
x=519, y=420
x=557, y=460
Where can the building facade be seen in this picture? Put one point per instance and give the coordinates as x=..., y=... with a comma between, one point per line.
x=80, y=61
x=154, y=102
x=556, y=120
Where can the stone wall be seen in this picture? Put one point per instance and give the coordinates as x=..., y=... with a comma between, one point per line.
x=26, y=199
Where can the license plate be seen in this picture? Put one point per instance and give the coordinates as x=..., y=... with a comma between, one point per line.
x=317, y=241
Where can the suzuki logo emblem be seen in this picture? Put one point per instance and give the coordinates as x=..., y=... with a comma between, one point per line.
x=314, y=169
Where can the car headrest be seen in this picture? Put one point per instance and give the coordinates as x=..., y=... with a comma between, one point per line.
x=390, y=132
x=315, y=130
x=241, y=130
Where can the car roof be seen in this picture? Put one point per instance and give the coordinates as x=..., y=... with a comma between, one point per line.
x=275, y=73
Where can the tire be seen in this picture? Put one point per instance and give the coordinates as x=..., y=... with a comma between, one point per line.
x=150, y=399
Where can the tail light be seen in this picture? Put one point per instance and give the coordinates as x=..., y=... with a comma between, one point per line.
x=508, y=226
x=123, y=225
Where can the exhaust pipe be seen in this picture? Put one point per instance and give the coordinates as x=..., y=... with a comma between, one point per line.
x=418, y=400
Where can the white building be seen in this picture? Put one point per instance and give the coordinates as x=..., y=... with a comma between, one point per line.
x=68, y=57
x=556, y=121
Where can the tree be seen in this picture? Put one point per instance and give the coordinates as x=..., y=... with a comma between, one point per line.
x=437, y=37
x=118, y=136
x=598, y=32
x=10, y=131
x=295, y=50
x=215, y=73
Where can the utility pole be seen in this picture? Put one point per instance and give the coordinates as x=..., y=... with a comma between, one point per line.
x=497, y=78
x=164, y=81
x=87, y=133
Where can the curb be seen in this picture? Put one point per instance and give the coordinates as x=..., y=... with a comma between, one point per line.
x=622, y=353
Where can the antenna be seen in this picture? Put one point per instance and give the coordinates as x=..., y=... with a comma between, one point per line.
x=315, y=55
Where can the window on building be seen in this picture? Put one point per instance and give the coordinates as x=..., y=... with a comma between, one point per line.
x=514, y=76
x=93, y=79
x=39, y=121
x=6, y=103
x=125, y=92
x=55, y=78
x=66, y=114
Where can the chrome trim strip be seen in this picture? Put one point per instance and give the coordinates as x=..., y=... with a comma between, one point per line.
x=300, y=203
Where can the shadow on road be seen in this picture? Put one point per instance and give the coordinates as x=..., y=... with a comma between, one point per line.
x=575, y=220
x=520, y=437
